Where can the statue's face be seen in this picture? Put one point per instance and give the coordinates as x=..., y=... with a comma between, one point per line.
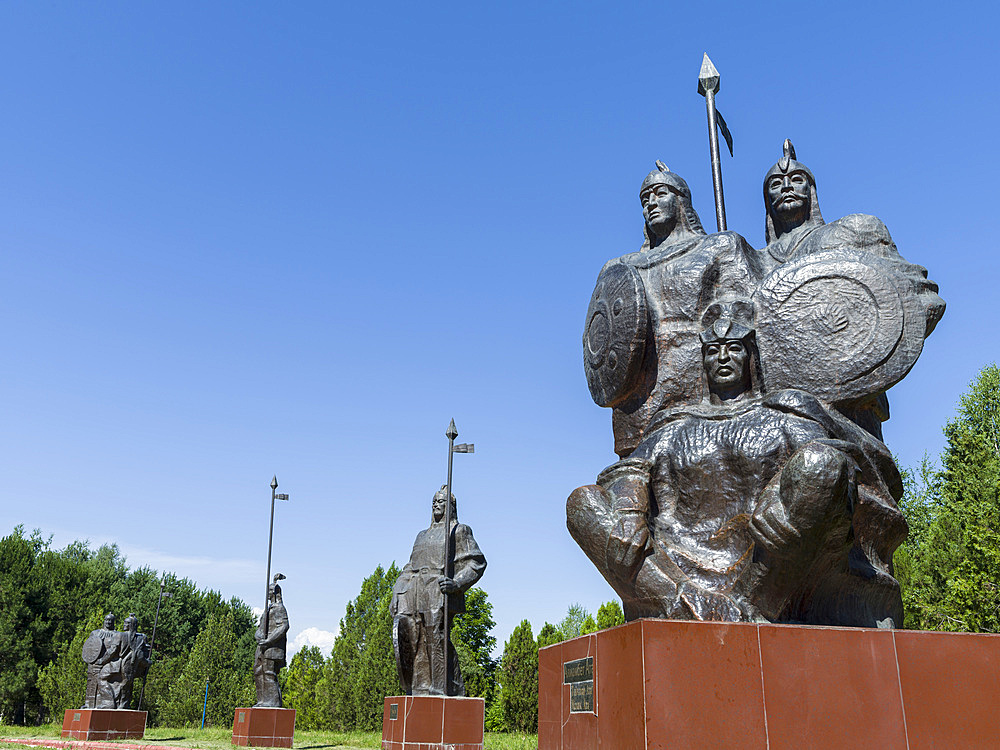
x=727, y=364
x=789, y=197
x=660, y=207
x=439, y=506
x=109, y=622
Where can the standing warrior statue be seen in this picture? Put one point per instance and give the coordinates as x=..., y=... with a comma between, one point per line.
x=271, y=642
x=137, y=659
x=425, y=596
x=105, y=652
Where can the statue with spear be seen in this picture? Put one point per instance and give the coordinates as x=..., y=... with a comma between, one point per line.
x=445, y=563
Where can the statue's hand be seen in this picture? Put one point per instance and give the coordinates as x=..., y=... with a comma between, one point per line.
x=448, y=586
x=627, y=543
x=770, y=528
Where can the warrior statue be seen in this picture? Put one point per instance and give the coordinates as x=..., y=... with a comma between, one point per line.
x=271, y=637
x=420, y=634
x=137, y=658
x=801, y=248
x=104, y=653
x=640, y=343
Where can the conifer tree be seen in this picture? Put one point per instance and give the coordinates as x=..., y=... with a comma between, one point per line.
x=518, y=689
x=609, y=615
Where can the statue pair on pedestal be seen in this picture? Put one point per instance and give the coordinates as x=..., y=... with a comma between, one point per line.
x=114, y=659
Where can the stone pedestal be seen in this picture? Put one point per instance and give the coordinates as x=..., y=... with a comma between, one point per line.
x=263, y=727
x=103, y=724
x=668, y=684
x=427, y=722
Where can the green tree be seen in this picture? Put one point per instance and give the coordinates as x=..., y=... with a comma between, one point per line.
x=361, y=670
x=472, y=635
x=517, y=702
x=213, y=660
x=63, y=682
x=299, y=688
x=18, y=667
x=949, y=568
x=588, y=625
x=549, y=635
x=570, y=625
x=609, y=615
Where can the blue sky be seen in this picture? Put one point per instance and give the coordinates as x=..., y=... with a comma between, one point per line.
x=240, y=239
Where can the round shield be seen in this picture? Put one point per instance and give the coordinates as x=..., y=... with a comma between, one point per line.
x=92, y=648
x=615, y=334
x=833, y=324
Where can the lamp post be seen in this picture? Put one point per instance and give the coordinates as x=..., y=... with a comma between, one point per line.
x=451, y=434
x=152, y=640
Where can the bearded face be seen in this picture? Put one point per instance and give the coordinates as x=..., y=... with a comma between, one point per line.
x=789, y=197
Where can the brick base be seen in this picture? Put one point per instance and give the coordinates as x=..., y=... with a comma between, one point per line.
x=263, y=727
x=103, y=724
x=427, y=722
x=695, y=685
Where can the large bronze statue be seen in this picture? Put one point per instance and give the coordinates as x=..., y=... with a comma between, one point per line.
x=748, y=390
x=425, y=658
x=114, y=659
x=271, y=636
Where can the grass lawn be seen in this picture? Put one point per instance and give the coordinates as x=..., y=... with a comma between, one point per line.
x=218, y=738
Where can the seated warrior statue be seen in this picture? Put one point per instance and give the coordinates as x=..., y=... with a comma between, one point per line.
x=641, y=351
x=795, y=229
x=747, y=506
x=137, y=658
x=271, y=637
x=104, y=652
x=419, y=631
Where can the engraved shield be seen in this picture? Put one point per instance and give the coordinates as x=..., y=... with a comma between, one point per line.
x=837, y=324
x=92, y=648
x=615, y=334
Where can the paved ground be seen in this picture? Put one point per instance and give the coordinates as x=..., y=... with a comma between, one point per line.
x=86, y=744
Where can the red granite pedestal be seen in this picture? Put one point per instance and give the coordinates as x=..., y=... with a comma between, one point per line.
x=427, y=722
x=667, y=684
x=263, y=727
x=103, y=724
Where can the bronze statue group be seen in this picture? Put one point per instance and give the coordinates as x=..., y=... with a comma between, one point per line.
x=747, y=390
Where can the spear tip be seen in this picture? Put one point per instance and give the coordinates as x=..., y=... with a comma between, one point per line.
x=274, y=482
x=708, y=78
x=452, y=432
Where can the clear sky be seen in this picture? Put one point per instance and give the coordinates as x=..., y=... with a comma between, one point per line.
x=240, y=239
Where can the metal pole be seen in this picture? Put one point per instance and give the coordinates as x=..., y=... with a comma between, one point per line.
x=270, y=535
x=152, y=642
x=204, y=709
x=713, y=142
x=451, y=433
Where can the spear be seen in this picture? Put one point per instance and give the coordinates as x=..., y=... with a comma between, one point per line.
x=270, y=537
x=708, y=86
x=451, y=434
